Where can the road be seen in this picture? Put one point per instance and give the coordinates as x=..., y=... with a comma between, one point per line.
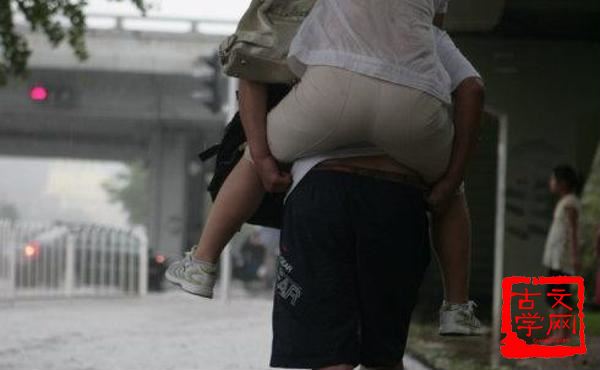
x=167, y=331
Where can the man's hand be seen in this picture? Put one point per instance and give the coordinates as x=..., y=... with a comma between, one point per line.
x=442, y=191
x=468, y=108
x=273, y=179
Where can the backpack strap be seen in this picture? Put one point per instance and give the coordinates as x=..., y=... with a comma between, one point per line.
x=207, y=154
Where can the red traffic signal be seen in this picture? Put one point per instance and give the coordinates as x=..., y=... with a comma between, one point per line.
x=38, y=93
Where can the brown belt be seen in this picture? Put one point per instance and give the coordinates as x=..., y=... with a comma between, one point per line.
x=384, y=175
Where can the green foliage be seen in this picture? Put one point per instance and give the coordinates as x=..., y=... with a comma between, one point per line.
x=592, y=323
x=590, y=222
x=9, y=212
x=44, y=16
x=591, y=202
x=129, y=188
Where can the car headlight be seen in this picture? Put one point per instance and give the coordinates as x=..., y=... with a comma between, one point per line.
x=31, y=250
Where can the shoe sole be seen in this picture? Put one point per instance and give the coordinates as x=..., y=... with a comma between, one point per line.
x=187, y=287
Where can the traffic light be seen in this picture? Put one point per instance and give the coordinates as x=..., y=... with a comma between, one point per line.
x=38, y=93
x=61, y=96
x=216, y=83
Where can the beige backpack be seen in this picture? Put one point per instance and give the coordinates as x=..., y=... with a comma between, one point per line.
x=258, y=49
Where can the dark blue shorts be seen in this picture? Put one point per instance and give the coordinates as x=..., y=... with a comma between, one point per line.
x=354, y=250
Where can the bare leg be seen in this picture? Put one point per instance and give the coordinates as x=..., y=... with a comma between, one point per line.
x=238, y=199
x=451, y=231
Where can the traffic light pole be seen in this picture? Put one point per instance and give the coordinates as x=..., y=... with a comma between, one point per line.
x=229, y=109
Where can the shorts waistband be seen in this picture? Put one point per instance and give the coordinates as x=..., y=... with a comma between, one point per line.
x=406, y=179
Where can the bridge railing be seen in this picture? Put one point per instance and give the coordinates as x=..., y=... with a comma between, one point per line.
x=45, y=260
x=153, y=24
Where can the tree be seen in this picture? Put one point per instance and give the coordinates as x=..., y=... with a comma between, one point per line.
x=129, y=188
x=44, y=16
x=8, y=212
x=590, y=221
x=591, y=200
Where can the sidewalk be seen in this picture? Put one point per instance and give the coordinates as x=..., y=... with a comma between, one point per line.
x=473, y=353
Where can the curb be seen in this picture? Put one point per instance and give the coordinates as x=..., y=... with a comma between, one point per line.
x=414, y=362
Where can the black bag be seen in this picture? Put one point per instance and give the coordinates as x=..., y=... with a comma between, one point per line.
x=228, y=153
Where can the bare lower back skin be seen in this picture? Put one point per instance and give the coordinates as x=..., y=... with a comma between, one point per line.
x=380, y=163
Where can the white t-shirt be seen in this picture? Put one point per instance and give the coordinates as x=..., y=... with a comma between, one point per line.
x=459, y=68
x=387, y=39
x=557, y=253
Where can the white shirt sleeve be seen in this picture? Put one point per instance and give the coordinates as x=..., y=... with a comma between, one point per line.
x=455, y=63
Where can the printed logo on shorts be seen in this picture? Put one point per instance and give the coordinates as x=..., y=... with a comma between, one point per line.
x=285, y=264
x=286, y=287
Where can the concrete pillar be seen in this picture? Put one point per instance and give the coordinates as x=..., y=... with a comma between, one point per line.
x=168, y=192
x=197, y=194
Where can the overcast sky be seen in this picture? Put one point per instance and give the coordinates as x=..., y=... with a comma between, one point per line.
x=49, y=189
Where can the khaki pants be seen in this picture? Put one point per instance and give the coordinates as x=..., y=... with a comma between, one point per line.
x=332, y=108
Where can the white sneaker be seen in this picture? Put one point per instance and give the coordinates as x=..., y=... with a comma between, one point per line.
x=194, y=277
x=459, y=319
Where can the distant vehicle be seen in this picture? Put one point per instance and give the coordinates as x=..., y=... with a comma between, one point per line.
x=101, y=257
x=157, y=266
x=41, y=262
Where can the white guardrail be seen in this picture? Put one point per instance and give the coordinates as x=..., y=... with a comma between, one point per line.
x=151, y=24
x=64, y=260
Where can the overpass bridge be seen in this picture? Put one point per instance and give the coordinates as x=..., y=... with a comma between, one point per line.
x=138, y=97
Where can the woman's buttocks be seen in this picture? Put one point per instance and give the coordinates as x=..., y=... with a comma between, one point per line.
x=410, y=125
x=324, y=83
x=334, y=108
x=358, y=98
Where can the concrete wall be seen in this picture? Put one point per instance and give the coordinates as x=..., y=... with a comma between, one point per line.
x=550, y=93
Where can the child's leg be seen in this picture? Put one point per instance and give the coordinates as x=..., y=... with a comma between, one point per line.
x=238, y=199
x=451, y=231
